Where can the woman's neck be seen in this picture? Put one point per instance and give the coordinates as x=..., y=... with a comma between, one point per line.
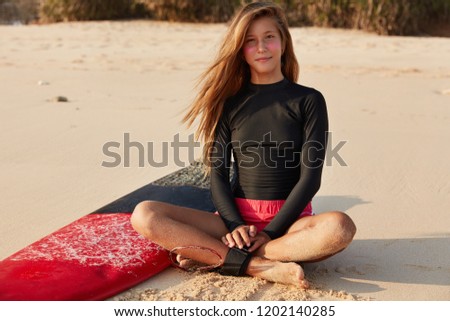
x=262, y=79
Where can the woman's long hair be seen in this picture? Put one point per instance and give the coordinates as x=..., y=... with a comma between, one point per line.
x=229, y=71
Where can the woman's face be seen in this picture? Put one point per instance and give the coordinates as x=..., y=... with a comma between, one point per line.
x=263, y=50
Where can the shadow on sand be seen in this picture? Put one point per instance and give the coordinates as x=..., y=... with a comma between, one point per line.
x=366, y=263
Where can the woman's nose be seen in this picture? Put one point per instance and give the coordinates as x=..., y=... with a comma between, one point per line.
x=261, y=46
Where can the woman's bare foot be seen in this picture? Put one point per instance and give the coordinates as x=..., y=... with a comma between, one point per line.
x=185, y=263
x=278, y=272
x=188, y=264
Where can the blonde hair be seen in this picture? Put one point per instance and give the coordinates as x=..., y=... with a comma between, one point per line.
x=229, y=71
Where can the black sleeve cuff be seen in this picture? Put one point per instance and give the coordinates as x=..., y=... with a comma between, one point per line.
x=271, y=234
x=231, y=225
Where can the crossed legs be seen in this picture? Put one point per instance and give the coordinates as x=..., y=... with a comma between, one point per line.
x=310, y=238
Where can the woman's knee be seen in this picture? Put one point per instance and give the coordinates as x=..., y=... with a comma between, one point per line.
x=144, y=218
x=344, y=228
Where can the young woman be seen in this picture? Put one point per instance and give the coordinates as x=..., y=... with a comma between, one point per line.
x=250, y=107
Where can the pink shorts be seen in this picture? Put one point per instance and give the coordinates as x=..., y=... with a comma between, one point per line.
x=261, y=212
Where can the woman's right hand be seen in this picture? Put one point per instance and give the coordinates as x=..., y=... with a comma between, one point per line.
x=240, y=237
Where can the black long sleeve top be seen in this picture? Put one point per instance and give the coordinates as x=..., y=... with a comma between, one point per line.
x=277, y=135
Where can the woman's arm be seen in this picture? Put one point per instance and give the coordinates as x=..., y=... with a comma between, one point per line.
x=312, y=158
x=221, y=193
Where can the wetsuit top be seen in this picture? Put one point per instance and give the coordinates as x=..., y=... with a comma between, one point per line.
x=277, y=136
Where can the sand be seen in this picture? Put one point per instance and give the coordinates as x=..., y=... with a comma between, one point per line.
x=389, y=109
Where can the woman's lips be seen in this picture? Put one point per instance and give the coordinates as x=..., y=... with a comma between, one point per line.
x=264, y=59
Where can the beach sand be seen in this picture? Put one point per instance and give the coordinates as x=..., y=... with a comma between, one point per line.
x=389, y=108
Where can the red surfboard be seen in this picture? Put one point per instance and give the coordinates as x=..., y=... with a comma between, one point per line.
x=97, y=256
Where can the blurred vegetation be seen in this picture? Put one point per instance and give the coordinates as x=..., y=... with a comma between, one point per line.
x=390, y=17
x=75, y=10
x=191, y=10
x=15, y=11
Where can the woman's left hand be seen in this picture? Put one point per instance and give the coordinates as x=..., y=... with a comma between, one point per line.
x=260, y=239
